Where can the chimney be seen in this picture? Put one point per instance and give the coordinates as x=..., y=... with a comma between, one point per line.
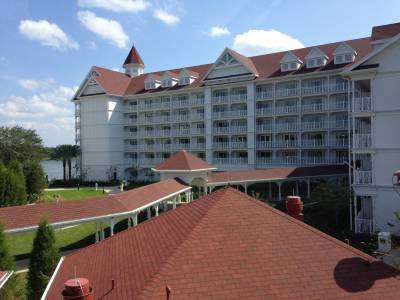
x=77, y=289
x=295, y=207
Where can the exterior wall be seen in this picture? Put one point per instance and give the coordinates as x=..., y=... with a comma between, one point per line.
x=385, y=140
x=101, y=137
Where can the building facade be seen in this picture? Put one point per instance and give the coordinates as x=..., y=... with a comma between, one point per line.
x=329, y=104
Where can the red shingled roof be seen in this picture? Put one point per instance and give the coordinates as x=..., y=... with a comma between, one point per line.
x=385, y=31
x=267, y=66
x=29, y=215
x=4, y=276
x=227, y=245
x=275, y=173
x=133, y=57
x=183, y=161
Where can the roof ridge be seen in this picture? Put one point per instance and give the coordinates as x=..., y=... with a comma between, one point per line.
x=306, y=226
x=166, y=264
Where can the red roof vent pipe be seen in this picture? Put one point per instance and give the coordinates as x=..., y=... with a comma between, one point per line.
x=295, y=207
x=77, y=289
x=396, y=178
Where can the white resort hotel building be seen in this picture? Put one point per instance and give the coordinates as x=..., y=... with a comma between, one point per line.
x=329, y=104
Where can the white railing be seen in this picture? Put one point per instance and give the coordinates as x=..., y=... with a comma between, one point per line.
x=180, y=118
x=362, y=177
x=313, y=125
x=130, y=108
x=131, y=161
x=180, y=132
x=238, y=113
x=197, y=131
x=287, y=160
x=263, y=111
x=314, y=143
x=340, y=105
x=220, y=114
x=143, y=120
x=181, y=103
x=238, y=97
x=287, y=92
x=315, y=107
x=217, y=130
x=364, y=225
x=264, y=160
x=238, y=161
x=339, y=142
x=129, y=147
x=362, y=141
x=312, y=90
x=150, y=161
x=264, y=144
x=264, y=127
x=162, y=119
x=131, y=134
x=339, y=87
x=162, y=147
x=268, y=94
x=339, y=124
x=238, y=145
x=197, y=101
x=286, y=109
x=148, y=133
x=285, y=144
x=146, y=147
x=362, y=104
x=315, y=160
x=287, y=126
x=221, y=160
x=163, y=133
x=179, y=146
x=220, y=99
x=238, y=129
x=130, y=121
x=197, y=117
x=221, y=145
x=198, y=146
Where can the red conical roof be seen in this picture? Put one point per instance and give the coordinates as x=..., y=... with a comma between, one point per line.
x=133, y=57
x=183, y=161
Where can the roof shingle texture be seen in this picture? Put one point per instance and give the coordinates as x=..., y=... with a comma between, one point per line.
x=133, y=57
x=385, y=31
x=29, y=215
x=227, y=245
x=183, y=161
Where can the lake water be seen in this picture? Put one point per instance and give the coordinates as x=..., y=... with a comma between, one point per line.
x=54, y=169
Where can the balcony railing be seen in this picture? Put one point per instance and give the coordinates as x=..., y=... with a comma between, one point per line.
x=267, y=94
x=362, y=177
x=181, y=103
x=313, y=125
x=221, y=99
x=339, y=87
x=197, y=131
x=131, y=134
x=238, y=97
x=291, y=92
x=362, y=104
x=162, y=147
x=340, y=105
x=146, y=147
x=315, y=160
x=339, y=142
x=198, y=146
x=264, y=160
x=180, y=118
x=316, y=107
x=264, y=128
x=264, y=111
x=238, y=129
x=180, y=146
x=219, y=130
x=362, y=141
x=286, y=109
x=221, y=160
x=196, y=117
x=285, y=144
x=339, y=124
x=149, y=133
x=130, y=108
x=130, y=121
x=239, y=160
x=129, y=147
x=238, y=113
x=197, y=101
x=364, y=225
x=314, y=143
x=130, y=161
x=238, y=145
x=181, y=132
x=221, y=145
x=264, y=144
x=313, y=90
x=220, y=114
x=287, y=126
x=287, y=160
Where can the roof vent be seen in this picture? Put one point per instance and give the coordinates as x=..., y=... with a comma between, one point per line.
x=295, y=207
x=77, y=289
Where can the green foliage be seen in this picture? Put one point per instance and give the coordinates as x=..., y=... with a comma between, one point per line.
x=43, y=260
x=35, y=180
x=15, y=188
x=329, y=208
x=18, y=143
x=66, y=153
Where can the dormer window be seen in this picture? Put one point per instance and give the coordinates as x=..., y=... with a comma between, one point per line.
x=169, y=79
x=344, y=54
x=187, y=76
x=290, y=62
x=316, y=58
x=151, y=82
x=166, y=83
x=184, y=81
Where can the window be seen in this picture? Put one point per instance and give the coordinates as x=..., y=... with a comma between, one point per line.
x=344, y=58
x=348, y=57
x=285, y=67
x=184, y=81
x=310, y=63
x=320, y=62
x=289, y=66
x=293, y=65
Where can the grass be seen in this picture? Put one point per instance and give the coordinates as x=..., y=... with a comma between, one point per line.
x=70, y=194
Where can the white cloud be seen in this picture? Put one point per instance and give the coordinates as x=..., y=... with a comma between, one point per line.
x=107, y=29
x=33, y=84
x=117, y=5
x=51, y=113
x=216, y=31
x=48, y=34
x=166, y=17
x=254, y=42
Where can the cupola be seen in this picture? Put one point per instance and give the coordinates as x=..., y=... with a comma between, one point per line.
x=133, y=64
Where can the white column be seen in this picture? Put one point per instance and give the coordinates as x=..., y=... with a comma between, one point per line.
x=270, y=190
x=179, y=199
x=174, y=202
x=129, y=222
x=165, y=205
x=148, y=212
x=308, y=188
x=101, y=231
x=97, y=235
x=156, y=209
x=134, y=220
x=279, y=191
x=112, y=223
x=245, y=188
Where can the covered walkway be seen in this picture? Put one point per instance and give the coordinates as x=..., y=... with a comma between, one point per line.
x=105, y=211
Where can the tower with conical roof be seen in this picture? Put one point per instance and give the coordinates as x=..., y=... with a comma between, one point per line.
x=133, y=64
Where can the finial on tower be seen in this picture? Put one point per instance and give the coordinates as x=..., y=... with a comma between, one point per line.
x=133, y=64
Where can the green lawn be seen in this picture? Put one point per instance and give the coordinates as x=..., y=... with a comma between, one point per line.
x=70, y=194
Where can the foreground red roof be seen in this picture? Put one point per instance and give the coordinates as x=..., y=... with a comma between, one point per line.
x=29, y=215
x=4, y=276
x=183, y=161
x=133, y=57
x=385, y=31
x=275, y=174
x=227, y=245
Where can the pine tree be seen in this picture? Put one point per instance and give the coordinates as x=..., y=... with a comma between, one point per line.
x=3, y=182
x=35, y=180
x=6, y=264
x=43, y=260
x=15, y=191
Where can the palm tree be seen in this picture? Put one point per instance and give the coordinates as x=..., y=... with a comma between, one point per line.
x=66, y=153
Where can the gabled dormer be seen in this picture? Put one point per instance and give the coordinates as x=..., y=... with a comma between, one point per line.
x=290, y=62
x=344, y=54
x=230, y=66
x=316, y=58
x=169, y=79
x=187, y=76
x=152, y=81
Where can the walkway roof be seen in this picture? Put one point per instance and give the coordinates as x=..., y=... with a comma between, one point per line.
x=274, y=174
x=227, y=245
x=63, y=213
x=183, y=161
x=4, y=276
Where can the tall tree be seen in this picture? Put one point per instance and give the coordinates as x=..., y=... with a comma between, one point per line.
x=35, y=179
x=43, y=260
x=18, y=143
x=66, y=153
x=15, y=188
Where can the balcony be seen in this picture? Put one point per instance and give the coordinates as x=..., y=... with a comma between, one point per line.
x=238, y=145
x=129, y=147
x=340, y=105
x=221, y=130
x=130, y=121
x=362, y=141
x=145, y=106
x=221, y=145
x=238, y=113
x=264, y=161
x=238, y=129
x=220, y=99
x=196, y=116
x=315, y=107
x=181, y=103
x=339, y=142
x=197, y=101
x=148, y=133
x=264, y=111
x=197, y=131
x=286, y=144
x=314, y=143
x=287, y=127
x=180, y=146
x=339, y=87
x=198, y=146
x=130, y=108
x=150, y=161
x=314, y=90
x=264, y=144
x=287, y=160
x=286, y=109
x=145, y=120
x=221, y=114
x=181, y=132
x=291, y=92
x=362, y=177
x=131, y=161
x=315, y=125
x=181, y=118
x=165, y=133
x=162, y=119
x=146, y=147
x=131, y=134
x=362, y=104
x=315, y=160
x=364, y=225
x=339, y=124
x=264, y=128
x=162, y=147
x=238, y=160
x=221, y=160
x=264, y=95
x=238, y=98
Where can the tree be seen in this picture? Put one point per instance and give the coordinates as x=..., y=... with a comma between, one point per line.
x=35, y=179
x=43, y=260
x=18, y=143
x=15, y=187
x=66, y=153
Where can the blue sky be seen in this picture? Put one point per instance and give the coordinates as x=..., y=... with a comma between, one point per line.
x=48, y=46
